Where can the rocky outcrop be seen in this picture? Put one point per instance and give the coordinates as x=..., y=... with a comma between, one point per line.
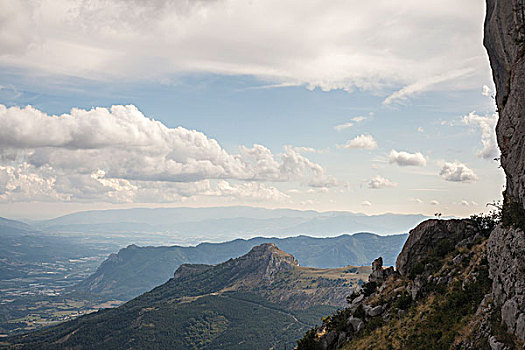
x=379, y=274
x=186, y=270
x=435, y=237
x=267, y=259
x=505, y=43
x=506, y=256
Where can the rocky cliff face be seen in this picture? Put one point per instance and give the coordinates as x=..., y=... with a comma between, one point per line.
x=505, y=44
x=434, y=237
x=267, y=258
x=506, y=257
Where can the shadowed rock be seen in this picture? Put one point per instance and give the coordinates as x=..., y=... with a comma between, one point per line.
x=432, y=235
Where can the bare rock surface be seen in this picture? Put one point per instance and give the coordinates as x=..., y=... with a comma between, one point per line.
x=379, y=274
x=505, y=43
x=427, y=236
x=506, y=256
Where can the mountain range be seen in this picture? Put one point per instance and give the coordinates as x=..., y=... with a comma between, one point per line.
x=190, y=226
x=135, y=270
x=262, y=300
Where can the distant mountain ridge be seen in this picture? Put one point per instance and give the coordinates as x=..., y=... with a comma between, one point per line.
x=23, y=243
x=190, y=226
x=135, y=270
x=261, y=300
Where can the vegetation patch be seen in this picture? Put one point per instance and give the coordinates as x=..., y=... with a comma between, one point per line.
x=512, y=213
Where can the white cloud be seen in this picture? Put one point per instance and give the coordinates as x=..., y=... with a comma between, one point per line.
x=28, y=183
x=487, y=125
x=366, y=203
x=249, y=190
x=343, y=126
x=465, y=203
x=407, y=159
x=378, y=182
x=350, y=44
x=347, y=125
x=457, y=172
x=24, y=182
x=486, y=91
x=420, y=129
x=118, y=154
x=305, y=149
x=360, y=142
x=434, y=202
x=427, y=83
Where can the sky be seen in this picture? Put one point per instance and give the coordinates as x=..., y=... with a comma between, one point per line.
x=373, y=107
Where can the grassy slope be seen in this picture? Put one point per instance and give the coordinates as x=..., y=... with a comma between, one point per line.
x=442, y=319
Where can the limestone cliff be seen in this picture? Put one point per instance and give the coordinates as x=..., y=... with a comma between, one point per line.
x=505, y=44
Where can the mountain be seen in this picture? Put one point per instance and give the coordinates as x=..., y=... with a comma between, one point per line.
x=189, y=226
x=6, y=225
x=261, y=300
x=135, y=270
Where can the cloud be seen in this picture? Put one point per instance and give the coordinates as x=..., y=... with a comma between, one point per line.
x=487, y=125
x=486, y=91
x=23, y=182
x=28, y=183
x=434, y=202
x=378, y=182
x=357, y=119
x=465, y=203
x=420, y=129
x=250, y=190
x=427, y=83
x=457, y=172
x=366, y=204
x=343, y=126
x=119, y=152
x=407, y=159
x=305, y=149
x=360, y=142
x=349, y=45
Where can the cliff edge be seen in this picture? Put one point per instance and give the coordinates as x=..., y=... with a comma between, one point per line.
x=505, y=43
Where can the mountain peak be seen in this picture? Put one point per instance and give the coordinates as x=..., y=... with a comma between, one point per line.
x=270, y=249
x=269, y=259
